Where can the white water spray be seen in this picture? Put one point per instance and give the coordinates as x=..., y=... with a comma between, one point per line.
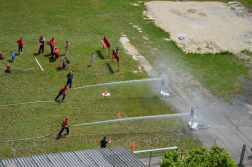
x=120, y=82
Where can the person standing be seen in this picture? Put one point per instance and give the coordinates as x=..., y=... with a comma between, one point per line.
x=92, y=59
x=41, y=44
x=52, y=43
x=12, y=56
x=62, y=92
x=69, y=79
x=104, y=142
x=20, y=45
x=117, y=50
x=65, y=125
x=66, y=47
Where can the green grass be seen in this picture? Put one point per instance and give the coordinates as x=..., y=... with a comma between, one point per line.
x=83, y=24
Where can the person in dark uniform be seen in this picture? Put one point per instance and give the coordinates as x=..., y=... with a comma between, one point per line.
x=117, y=50
x=104, y=142
x=69, y=79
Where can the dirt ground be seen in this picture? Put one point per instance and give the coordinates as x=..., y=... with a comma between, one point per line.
x=209, y=26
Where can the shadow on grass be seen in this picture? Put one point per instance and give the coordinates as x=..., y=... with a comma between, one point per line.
x=59, y=68
x=9, y=60
x=36, y=54
x=61, y=137
x=46, y=55
x=89, y=65
x=99, y=54
x=109, y=67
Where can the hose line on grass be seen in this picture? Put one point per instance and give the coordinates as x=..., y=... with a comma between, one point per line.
x=98, y=122
x=26, y=103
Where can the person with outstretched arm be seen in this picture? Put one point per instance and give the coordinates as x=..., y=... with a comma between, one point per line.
x=104, y=142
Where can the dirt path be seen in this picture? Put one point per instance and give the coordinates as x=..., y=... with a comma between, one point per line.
x=225, y=124
x=209, y=26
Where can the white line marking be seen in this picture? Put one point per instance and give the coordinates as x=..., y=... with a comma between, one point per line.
x=39, y=64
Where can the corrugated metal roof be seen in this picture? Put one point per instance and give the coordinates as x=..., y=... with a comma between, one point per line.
x=101, y=157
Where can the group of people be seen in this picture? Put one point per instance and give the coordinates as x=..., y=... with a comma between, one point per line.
x=65, y=125
x=54, y=50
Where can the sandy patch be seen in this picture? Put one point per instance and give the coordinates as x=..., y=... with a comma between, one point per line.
x=209, y=26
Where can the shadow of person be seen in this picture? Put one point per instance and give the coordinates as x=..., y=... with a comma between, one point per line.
x=99, y=54
x=109, y=67
x=36, y=54
x=89, y=65
x=46, y=55
x=9, y=60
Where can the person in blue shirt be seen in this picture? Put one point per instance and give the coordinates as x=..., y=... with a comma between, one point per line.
x=12, y=56
x=69, y=79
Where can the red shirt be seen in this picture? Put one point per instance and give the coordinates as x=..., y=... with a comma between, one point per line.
x=63, y=89
x=20, y=43
x=52, y=42
x=56, y=51
x=65, y=122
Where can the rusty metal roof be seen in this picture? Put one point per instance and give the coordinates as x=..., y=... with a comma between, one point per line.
x=100, y=157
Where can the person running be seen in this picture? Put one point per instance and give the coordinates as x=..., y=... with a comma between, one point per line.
x=92, y=59
x=20, y=45
x=69, y=79
x=41, y=44
x=52, y=44
x=66, y=47
x=62, y=92
x=65, y=125
x=12, y=56
x=67, y=63
x=104, y=142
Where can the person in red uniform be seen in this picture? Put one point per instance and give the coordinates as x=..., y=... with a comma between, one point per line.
x=65, y=125
x=20, y=45
x=55, y=54
x=52, y=43
x=62, y=91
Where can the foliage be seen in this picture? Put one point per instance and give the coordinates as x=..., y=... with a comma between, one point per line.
x=202, y=157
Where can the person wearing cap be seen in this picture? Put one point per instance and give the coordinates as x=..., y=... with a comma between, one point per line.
x=65, y=125
x=62, y=92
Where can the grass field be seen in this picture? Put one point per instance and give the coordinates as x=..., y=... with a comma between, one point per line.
x=83, y=24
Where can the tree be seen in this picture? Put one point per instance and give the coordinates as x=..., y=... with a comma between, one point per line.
x=202, y=157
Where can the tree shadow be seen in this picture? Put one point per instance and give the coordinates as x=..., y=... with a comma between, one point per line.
x=109, y=67
x=99, y=54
